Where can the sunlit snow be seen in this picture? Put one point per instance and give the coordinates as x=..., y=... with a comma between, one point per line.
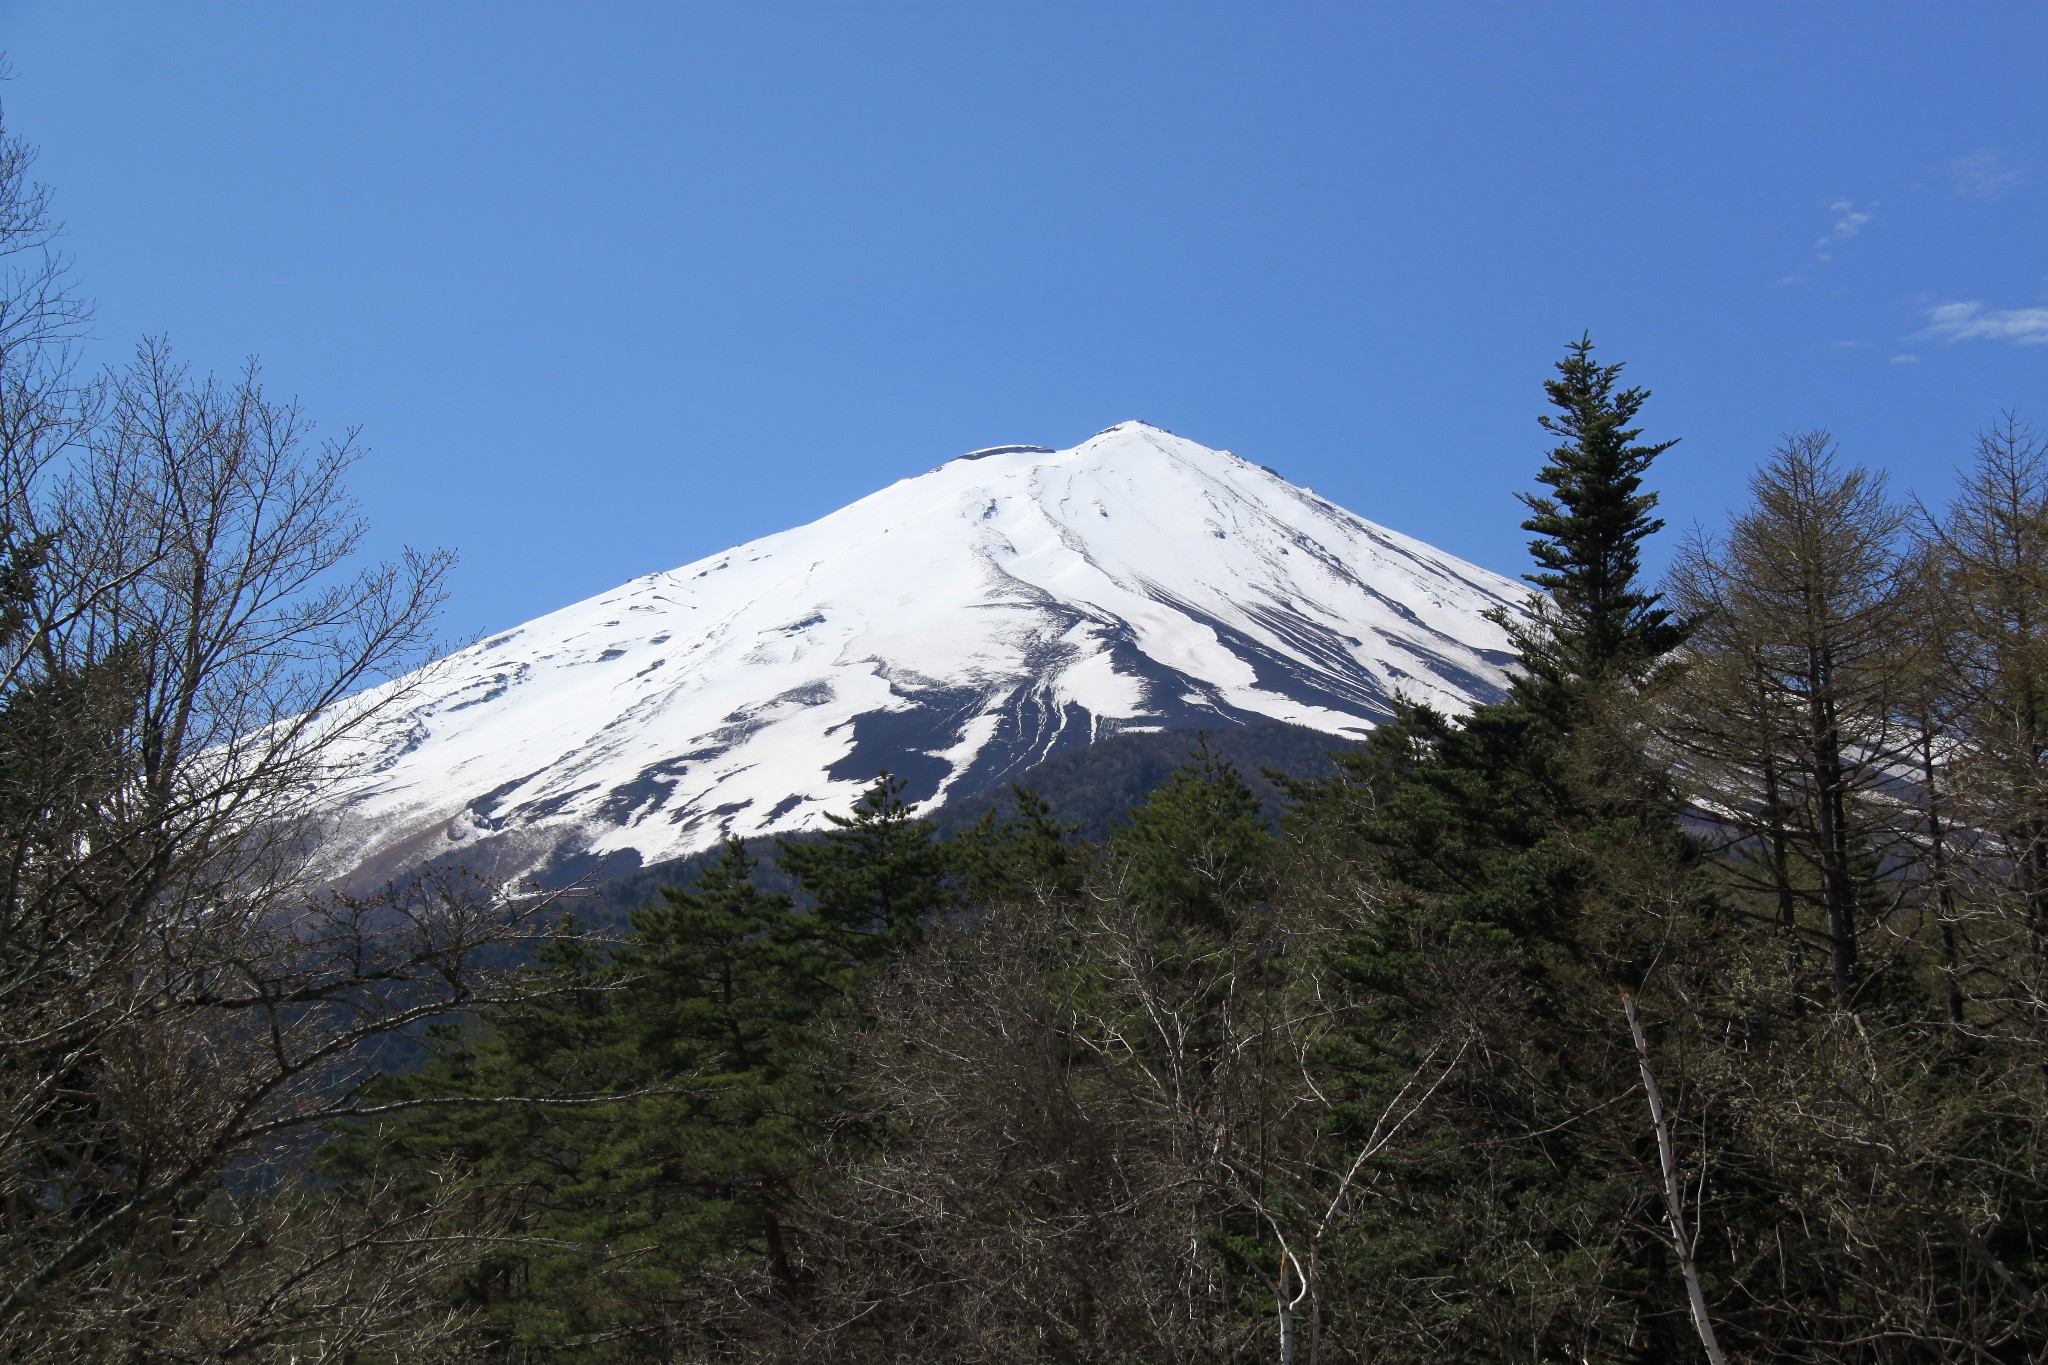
x=955, y=627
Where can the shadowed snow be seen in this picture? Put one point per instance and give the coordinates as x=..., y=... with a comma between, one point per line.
x=956, y=628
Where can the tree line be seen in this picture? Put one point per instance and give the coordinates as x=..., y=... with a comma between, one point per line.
x=1688, y=1002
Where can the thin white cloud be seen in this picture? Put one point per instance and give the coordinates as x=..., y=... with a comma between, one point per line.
x=1905, y=360
x=1986, y=174
x=1969, y=320
x=1849, y=221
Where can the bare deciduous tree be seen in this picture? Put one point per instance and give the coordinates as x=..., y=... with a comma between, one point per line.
x=1791, y=715
x=1987, y=557
x=185, y=636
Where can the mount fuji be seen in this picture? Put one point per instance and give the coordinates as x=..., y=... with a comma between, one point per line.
x=955, y=628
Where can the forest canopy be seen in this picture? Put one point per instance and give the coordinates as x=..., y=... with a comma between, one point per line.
x=1686, y=1003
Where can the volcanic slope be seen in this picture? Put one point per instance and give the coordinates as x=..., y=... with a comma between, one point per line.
x=954, y=628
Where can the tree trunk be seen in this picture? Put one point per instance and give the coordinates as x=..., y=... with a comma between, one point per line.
x=1831, y=816
x=1674, y=1199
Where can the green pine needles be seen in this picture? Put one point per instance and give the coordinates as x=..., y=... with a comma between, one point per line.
x=1598, y=620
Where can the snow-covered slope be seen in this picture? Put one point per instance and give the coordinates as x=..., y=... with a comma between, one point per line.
x=955, y=628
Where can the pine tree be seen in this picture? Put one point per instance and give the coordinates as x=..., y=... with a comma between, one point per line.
x=1198, y=847
x=705, y=1021
x=1031, y=855
x=1510, y=856
x=876, y=876
x=718, y=989
x=1502, y=809
x=533, y=1190
x=1598, y=623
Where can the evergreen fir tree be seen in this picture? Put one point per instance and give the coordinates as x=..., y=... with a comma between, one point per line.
x=723, y=984
x=1510, y=853
x=876, y=877
x=1598, y=622
x=1031, y=854
x=533, y=1184
x=1198, y=847
x=705, y=1022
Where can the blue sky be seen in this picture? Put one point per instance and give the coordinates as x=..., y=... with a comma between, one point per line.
x=610, y=286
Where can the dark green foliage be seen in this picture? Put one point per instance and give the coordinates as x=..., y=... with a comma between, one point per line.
x=875, y=878
x=702, y=1021
x=535, y=1166
x=1030, y=854
x=1505, y=822
x=722, y=987
x=1092, y=789
x=711, y=1023
x=1590, y=528
x=1364, y=1085
x=1509, y=854
x=1095, y=787
x=1197, y=847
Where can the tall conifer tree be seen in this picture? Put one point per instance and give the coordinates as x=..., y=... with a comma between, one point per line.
x=1597, y=623
x=1510, y=854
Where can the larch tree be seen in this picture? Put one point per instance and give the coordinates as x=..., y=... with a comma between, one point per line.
x=1988, y=558
x=1805, y=644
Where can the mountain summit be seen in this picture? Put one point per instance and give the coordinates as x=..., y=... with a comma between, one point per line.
x=955, y=628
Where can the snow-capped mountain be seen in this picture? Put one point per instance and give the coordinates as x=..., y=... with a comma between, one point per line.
x=955, y=628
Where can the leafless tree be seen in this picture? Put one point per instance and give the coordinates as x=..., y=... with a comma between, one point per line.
x=186, y=636
x=1987, y=561
x=1790, y=718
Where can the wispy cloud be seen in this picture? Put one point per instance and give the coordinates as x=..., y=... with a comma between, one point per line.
x=1970, y=321
x=1905, y=360
x=1986, y=174
x=1849, y=222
